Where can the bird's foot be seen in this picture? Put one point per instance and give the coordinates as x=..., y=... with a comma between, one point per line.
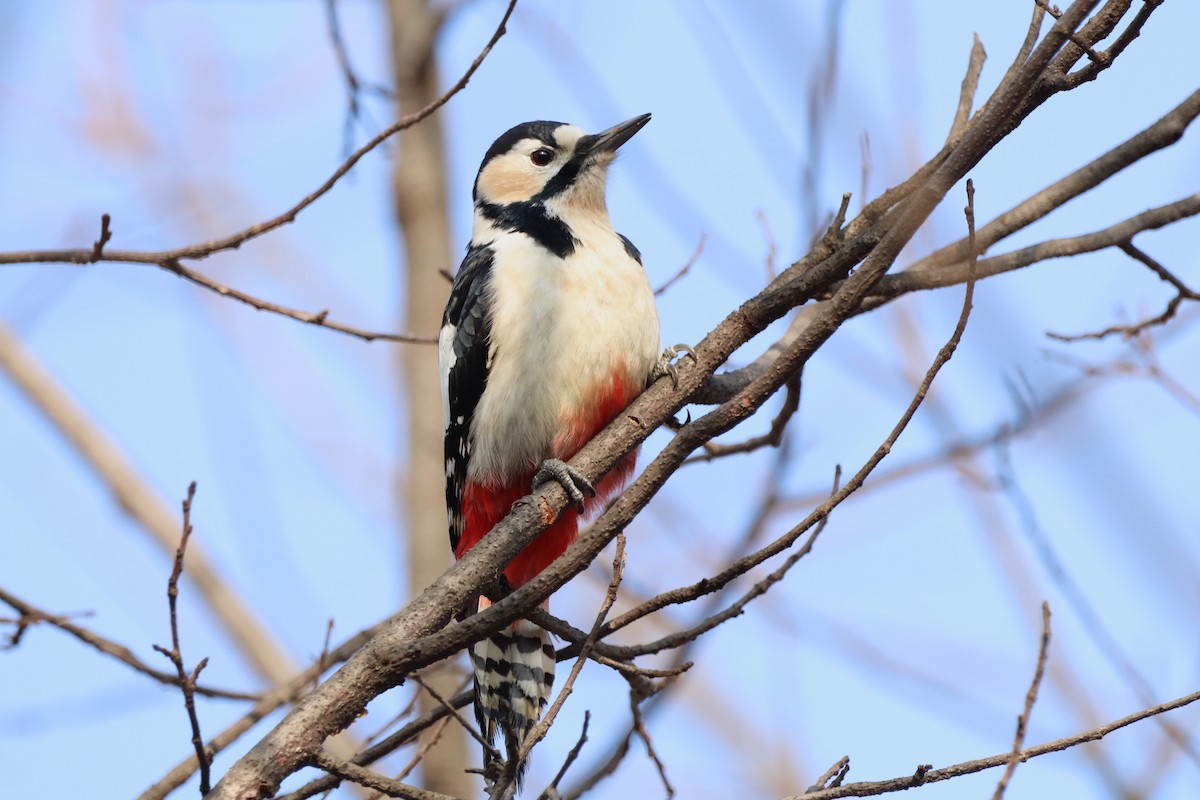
x=668, y=366
x=576, y=486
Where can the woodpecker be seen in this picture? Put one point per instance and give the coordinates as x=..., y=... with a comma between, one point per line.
x=549, y=333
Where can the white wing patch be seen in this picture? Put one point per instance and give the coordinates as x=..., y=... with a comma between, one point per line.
x=446, y=359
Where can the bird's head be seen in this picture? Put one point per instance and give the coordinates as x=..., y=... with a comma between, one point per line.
x=552, y=163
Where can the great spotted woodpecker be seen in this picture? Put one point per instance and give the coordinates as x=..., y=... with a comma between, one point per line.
x=549, y=333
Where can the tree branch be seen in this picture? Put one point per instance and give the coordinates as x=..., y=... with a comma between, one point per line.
x=1030, y=699
x=873, y=788
x=170, y=260
x=187, y=682
x=31, y=615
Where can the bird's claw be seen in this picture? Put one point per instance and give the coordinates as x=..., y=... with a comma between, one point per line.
x=667, y=365
x=575, y=485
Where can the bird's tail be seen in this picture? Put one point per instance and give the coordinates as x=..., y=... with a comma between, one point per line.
x=514, y=672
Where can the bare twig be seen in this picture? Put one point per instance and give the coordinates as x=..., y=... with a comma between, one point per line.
x=1028, y=421
x=105, y=235
x=687, y=266
x=1182, y=292
x=31, y=615
x=551, y=791
x=639, y=727
x=323, y=658
x=373, y=780
x=137, y=499
x=970, y=85
x=1086, y=613
x=946, y=266
x=1126, y=37
x=833, y=233
x=171, y=260
x=435, y=735
x=893, y=286
x=452, y=711
x=686, y=594
x=187, y=682
x=833, y=776
x=1030, y=699
x=237, y=239
x=383, y=747
x=319, y=318
x=286, y=692
x=773, y=436
x=355, y=86
x=1076, y=39
x=873, y=788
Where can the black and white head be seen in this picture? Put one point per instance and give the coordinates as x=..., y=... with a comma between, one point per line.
x=551, y=164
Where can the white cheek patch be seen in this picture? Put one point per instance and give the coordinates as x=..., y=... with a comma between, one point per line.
x=511, y=178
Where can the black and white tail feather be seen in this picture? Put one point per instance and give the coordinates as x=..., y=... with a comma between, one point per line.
x=514, y=675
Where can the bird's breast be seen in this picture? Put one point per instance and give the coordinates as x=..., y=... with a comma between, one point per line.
x=573, y=341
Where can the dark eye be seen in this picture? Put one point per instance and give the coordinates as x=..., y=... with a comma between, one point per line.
x=542, y=156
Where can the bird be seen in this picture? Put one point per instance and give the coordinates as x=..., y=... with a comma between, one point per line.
x=549, y=332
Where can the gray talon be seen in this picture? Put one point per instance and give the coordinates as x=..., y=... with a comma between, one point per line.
x=667, y=365
x=574, y=483
x=687, y=350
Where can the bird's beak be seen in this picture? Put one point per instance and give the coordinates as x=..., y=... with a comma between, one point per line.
x=608, y=141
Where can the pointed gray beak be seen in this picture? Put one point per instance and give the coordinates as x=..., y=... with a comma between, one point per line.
x=608, y=141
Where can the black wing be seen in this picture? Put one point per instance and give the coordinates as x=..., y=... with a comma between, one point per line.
x=463, y=351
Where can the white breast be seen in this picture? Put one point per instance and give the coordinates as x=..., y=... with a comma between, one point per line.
x=558, y=327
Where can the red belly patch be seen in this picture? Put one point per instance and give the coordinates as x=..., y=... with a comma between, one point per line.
x=485, y=503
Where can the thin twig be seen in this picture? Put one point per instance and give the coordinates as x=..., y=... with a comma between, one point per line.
x=833, y=234
x=687, y=266
x=773, y=436
x=355, y=85
x=1183, y=292
x=452, y=711
x=833, y=776
x=105, y=235
x=435, y=736
x=1086, y=613
x=1030, y=699
x=373, y=780
x=140, y=501
x=551, y=791
x=187, y=683
x=31, y=615
x=171, y=259
x=1075, y=37
x=966, y=95
x=235, y=240
x=873, y=788
x=323, y=658
x=639, y=727
x=319, y=318
x=383, y=747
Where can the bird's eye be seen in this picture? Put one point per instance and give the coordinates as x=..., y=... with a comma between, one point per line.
x=542, y=156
